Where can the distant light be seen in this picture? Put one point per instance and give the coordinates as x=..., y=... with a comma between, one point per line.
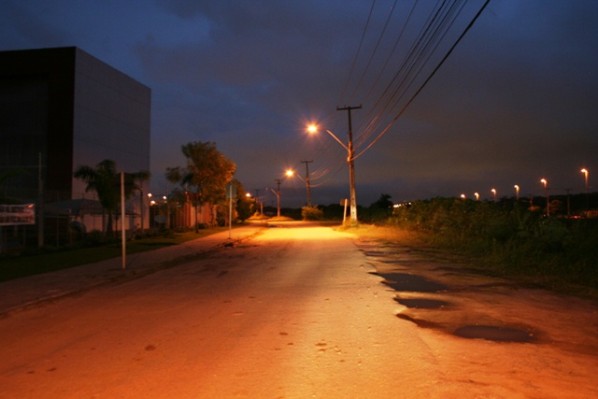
x=289, y=172
x=312, y=128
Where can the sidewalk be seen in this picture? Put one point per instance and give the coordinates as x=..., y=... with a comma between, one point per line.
x=28, y=291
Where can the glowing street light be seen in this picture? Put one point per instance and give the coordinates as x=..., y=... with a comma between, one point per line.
x=493, y=191
x=545, y=184
x=312, y=128
x=586, y=175
x=516, y=187
x=477, y=196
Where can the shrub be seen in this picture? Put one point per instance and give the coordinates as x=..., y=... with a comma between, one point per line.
x=311, y=213
x=508, y=237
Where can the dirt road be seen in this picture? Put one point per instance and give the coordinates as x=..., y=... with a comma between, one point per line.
x=303, y=313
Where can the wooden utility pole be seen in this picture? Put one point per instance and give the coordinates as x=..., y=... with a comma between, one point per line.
x=350, y=161
x=277, y=192
x=307, y=183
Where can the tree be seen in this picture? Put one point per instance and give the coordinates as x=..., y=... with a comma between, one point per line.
x=104, y=180
x=244, y=202
x=382, y=208
x=207, y=173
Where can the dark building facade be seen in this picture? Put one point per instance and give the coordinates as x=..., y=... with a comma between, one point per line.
x=61, y=108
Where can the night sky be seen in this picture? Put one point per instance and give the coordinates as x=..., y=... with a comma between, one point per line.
x=515, y=101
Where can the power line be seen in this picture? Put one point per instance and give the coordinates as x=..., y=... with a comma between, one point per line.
x=363, y=34
x=426, y=81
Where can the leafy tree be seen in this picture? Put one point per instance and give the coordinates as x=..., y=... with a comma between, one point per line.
x=206, y=173
x=382, y=208
x=104, y=180
x=243, y=202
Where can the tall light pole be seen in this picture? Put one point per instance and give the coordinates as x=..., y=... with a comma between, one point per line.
x=291, y=173
x=312, y=128
x=307, y=182
x=351, y=161
x=277, y=193
x=545, y=184
x=586, y=176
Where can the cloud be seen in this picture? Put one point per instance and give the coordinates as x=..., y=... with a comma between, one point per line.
x=516, y=99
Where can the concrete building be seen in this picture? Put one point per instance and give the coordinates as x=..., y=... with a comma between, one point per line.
x=61, y=108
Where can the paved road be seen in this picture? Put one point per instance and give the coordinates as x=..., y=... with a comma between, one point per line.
x=289, y=313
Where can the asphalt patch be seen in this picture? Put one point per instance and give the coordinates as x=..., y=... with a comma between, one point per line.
x=495, y=333
x=411, y=282
x=422, y=303
x=419, y=322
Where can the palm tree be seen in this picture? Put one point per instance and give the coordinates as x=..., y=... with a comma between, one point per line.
x=136, y=182
x=104, y=181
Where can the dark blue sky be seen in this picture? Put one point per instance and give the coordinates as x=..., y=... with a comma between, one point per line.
x=515, y=102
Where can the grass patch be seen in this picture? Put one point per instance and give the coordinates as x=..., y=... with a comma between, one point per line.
x=52, y=260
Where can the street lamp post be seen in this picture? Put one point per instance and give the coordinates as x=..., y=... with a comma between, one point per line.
x=351, y=161
x=149, y=211
x=493, y=191
x=291, y=173
x=586, y=176
x=307, y=182
x=313, y=128
x=516, y=187
x=545, y=184
x=277, y=193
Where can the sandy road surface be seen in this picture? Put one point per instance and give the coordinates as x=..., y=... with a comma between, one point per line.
x=294, y=313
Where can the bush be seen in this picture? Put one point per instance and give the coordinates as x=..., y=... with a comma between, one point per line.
x=311, y=213
x=508, y=237
x=95, y=238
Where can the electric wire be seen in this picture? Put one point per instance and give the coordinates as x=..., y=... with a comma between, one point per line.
x=384, y=100
x=363, y=35
x=427, y=80
x=425, y=53
x=375, y=49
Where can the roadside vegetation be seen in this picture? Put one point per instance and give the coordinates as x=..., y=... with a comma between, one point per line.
x=507, y=239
